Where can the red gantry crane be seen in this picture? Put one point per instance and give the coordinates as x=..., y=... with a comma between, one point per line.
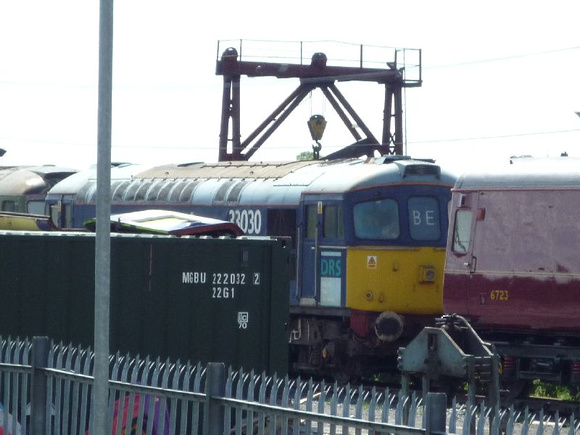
x=401, y=71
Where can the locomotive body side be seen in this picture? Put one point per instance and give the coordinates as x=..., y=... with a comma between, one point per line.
x=368, y=242
x=512, y=265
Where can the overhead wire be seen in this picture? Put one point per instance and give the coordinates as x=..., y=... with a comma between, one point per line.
x=499, y=59
x=502, y=136
x=451, y=65
x=502, y=58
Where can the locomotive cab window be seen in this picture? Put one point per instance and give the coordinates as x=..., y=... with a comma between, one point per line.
x=462, y=231
x=424, y=221
x=332, y=223
x=311, y=221
x=377, y=220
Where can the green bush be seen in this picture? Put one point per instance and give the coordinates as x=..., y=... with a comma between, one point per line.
x=547, y=389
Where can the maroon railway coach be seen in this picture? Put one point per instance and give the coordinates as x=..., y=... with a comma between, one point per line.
x=513, y=264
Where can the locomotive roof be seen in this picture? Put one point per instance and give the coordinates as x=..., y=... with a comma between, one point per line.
x=41, y=170
x=15, y=180
x=525, y=173
x=303, y=173
x=254, y=182
x=231, y=170
x=73, y=183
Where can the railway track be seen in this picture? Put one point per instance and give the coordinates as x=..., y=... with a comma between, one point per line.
x=549, y=406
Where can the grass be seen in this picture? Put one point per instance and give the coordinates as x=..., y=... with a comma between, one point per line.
x=546, y=389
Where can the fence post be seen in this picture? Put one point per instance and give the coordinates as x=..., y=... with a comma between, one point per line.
x=435, y=413
x=215, y=386
x=38, y=405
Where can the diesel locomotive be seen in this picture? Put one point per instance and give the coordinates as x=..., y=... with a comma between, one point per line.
x=368, y=241
x=371, y=254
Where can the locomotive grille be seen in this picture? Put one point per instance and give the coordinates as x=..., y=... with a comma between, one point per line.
x=430, y=170
x=220, y=196
x=234, y=194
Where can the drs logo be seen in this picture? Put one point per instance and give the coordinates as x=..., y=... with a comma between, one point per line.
x=331, y=267
x=249, y=221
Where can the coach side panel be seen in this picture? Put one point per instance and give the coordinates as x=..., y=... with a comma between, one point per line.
x=518, y=266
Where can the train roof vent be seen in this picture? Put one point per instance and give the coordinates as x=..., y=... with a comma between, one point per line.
x=234, y=194
x=187, y=190
x=87, y=193
x=221, y=194
x=421, y=170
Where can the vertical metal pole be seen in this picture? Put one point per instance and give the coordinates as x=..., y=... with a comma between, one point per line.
x=494, y=384
x=215, y=386
x=103, y=230
x=38, y=405
x=387, y=115
x=494, y=393
x=225, y=121
x=236, y=121
x=298, y=260
x=405, y=384
x=435, y=412
x=398, y=95
x=319, y=217
x=425, y=384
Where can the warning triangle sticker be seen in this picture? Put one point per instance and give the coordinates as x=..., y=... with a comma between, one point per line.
x=371, y=262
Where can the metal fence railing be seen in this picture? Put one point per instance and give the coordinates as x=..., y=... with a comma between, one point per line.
x=164, y=397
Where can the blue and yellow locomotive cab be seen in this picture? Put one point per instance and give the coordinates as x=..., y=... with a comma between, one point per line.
x=370, y=255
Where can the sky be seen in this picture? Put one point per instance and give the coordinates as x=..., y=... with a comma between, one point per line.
x=500, y=78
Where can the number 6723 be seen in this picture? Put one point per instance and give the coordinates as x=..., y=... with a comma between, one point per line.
x=500, y=295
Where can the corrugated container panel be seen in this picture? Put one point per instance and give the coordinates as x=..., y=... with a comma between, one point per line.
x=199, y=299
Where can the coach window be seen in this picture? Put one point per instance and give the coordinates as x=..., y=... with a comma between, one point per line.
x=462, y=231
x=8, y=205
x=377, y=220
x=35, y=207
x=333, y=226
x=424, y=218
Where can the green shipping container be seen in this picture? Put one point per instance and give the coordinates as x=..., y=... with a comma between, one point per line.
x=196, y=299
